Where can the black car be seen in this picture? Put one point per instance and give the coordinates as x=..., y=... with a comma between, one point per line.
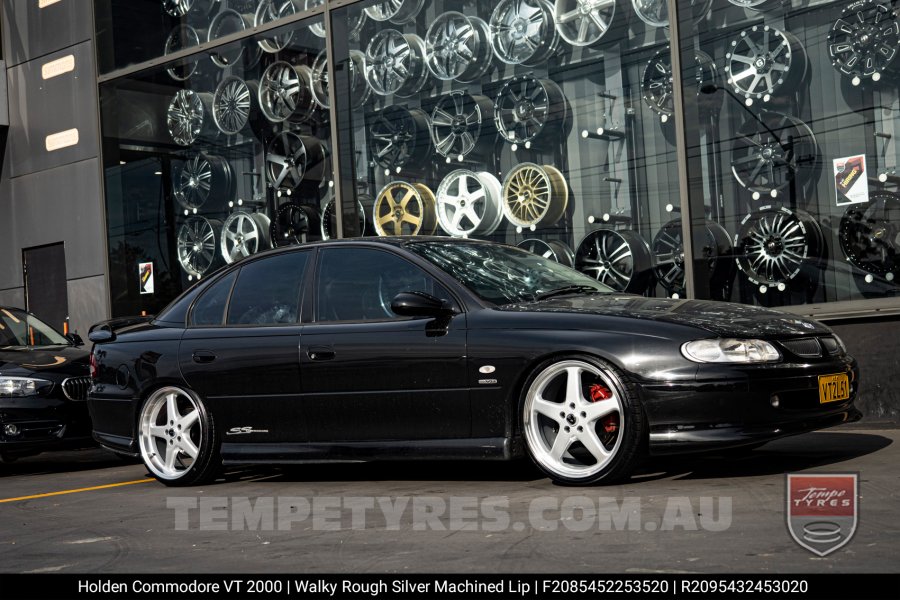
x=419, y=348
x=44, y=380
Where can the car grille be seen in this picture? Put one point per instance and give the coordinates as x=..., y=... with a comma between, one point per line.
x=831, y=345
x=76, y=388
x=806, y=347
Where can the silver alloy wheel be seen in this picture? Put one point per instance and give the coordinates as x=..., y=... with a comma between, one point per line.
x=291, y=158
x=398, y=12
x=227, y=22
x=285, y=93
x=187, y=116
x=244, y=234
x=170, y=432
x=317, y=28
x=656, y=12
x=400, y=138
x=561, y=419
x=359, y=90
x=395, y=63
x=865, y=41
x=197, y=245
x=457, y=122
x=232, y=104
x=554, y=250
x=669, y=259
x=181, y=37
x=523, y=32
x=526, y=108
x=618, y=259
x=774, y=244
x=458, y=47
x=469, y=203
x=764, y=61
x=583, y=22
x=203, y=178
x=274, y=10
x=177, y=8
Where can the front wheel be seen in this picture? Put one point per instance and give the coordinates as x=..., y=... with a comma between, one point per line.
x=582, y=421
x=178, y=440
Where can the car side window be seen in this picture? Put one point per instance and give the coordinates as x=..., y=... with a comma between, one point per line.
x=209, y=309
x=358, y=284
x=267, y=291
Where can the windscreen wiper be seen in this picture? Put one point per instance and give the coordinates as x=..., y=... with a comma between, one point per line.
x=569, y=289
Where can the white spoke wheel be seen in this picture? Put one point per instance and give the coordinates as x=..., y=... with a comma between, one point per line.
x=523, y=32
x=618, y=259
x=527, y=108
x=581, y=421
x=554, y=250
x=274, y=10
x=458, y=47
x=178, y=441
x=285, y=93
x=181, y=37
x=403, y=208
x=359, y=91
x=198, y=244
x=583, y=22
x=395, y=63
x=244, y=234
x=534, y=195
x=764, y=62
x=188, y=116
x=865, y=41
x=775, y=245
x=468, y=203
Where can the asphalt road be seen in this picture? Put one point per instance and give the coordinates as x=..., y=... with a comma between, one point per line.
x=697, y=514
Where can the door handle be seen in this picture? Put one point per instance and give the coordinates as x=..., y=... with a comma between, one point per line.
x=203, y=356
x=320, y=353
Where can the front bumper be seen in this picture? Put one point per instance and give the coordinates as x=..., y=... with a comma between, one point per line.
x=43, y=423
x=731, y=406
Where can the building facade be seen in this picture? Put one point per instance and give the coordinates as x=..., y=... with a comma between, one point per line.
x=735, y=150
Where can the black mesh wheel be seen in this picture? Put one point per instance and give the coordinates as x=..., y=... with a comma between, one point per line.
x=774, y=245
x=619, y=259
x=870, y=235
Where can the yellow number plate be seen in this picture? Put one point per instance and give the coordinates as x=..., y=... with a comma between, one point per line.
x=833, y=388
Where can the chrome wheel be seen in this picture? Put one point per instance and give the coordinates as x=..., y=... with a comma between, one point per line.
x=171, y=433
x=274, y=10
x=181, y=37
x=468, y=203
x=227, y=22
x=293, y=224
x=763, y=62
x=285, y=93
x=232, y=104
x=865, y=41
x=656, y=12
x=771, y=152
x=619, y=259
x=399, y=12
x=458, y=47
x=583, y=22
x=523, y=31
x=774, y=244
x=554, y=250
x=457, y=121
x=395, y=63
x=186, y=116
x=574, y=419
x=656, y=82
x=203, y=179
x=359, y=91
x=244, y=234
x=527, y=107
x=534, y=195
x=669, y=259
x=197, y=245
x=405, y=209
x=870, y=235
x=292, y=158
x=400, y=137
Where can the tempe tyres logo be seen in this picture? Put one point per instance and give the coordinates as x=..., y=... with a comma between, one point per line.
x=822, y=510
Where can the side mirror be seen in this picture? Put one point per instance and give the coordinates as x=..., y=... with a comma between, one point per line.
x=420, y=304
x=99, y=336
x=75, y=339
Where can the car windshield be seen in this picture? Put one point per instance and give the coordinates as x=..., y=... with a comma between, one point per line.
x=504, y=274
x=22, y=331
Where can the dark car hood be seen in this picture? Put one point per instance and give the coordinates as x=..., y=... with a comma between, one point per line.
x=65, y=360
x=721, y=318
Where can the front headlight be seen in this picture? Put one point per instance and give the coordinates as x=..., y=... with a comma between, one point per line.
x=730, y=351
x=22, y=386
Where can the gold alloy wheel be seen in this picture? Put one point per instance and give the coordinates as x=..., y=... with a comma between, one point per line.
x=534, y=195
x=405, y=209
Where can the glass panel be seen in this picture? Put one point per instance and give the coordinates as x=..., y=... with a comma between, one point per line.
x=792, y=113
x=540, y=124
x=210, y=307
x=214, y=158
x=268, y=291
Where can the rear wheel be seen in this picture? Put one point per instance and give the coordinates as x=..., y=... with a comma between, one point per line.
x=582, y=421
x=178, y=440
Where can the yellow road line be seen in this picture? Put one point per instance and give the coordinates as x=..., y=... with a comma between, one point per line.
x=77, y=491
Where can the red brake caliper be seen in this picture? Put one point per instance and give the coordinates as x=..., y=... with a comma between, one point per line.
x=611, y=421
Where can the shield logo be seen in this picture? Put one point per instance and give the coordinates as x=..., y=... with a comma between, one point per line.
x=822, y=510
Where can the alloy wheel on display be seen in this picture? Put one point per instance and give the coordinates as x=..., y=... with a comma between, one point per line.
x=458, y=47
x=180, y=38
x=395, y=63
x=619, y=259
x=233, y=102
x=400, y=138
x=523, y=32
x=399, y=12
x=403, y=208
x=669, y=259
x=534, y=195
x=228, y=22
x=583, y=22
x=187, y=116
x=869, y=235
x=359, y=90
x=294, y=224
x=243, y=234
x=657, y=82
x=458, y=121
x=527, y=108
x=656, y=12
x=764, y=62
x=329, y=217
x=204, y=179
x=865, y=41
x=274, y=10
x=554, y=250
x=197, y=245
x=285, y=93
x=775, y=244
x=292, y=158
x=469, y=203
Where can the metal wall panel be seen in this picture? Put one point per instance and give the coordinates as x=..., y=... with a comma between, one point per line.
x=49, y=97
x=13, y=297
x=84, y=307
x=33, y=28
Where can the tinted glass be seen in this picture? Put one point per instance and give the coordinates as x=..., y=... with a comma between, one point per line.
x=210, y=308
x=268, y=291
x=20, y=329
x=358, y=284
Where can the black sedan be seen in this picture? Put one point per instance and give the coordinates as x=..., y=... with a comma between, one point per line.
x=44, y=380
x=420, y=348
